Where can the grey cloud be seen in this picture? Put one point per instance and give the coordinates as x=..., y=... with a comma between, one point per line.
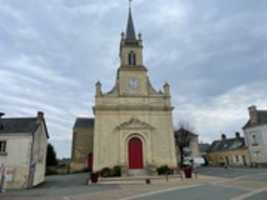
x=212, y=52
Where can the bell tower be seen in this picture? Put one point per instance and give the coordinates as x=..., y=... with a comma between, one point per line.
x=132, y=75
x=131, y=47
x=133, y=115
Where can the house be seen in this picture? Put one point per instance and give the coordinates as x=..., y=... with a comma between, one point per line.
x=23, y=146
x=203, y=150
x=255, y=131
x=188, y=141
x=229, y=152
x=82, y=145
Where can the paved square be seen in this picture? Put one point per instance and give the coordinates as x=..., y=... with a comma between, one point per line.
x=212, y=183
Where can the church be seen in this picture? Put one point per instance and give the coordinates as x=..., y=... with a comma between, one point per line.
x=133, y=126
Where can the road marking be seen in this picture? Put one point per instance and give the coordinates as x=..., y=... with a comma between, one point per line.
x=244, y=196
x=160, y=191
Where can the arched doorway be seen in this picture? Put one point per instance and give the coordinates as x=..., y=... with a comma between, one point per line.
x=135, y=153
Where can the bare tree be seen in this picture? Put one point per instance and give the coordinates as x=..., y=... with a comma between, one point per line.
x=183, y=136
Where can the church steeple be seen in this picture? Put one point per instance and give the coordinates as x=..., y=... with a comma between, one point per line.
x=131, y=46
x=130, y=32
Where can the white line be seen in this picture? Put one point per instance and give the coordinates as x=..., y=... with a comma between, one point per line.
x=160, y=191
x=244, y=196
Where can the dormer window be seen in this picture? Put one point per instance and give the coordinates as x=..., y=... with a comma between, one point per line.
x=131, y=58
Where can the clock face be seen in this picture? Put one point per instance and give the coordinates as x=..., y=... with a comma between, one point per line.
x=133, y=83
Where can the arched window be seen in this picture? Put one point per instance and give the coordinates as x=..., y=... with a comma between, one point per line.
x=131, y=58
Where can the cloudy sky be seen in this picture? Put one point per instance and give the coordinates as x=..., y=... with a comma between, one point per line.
x=212, y=52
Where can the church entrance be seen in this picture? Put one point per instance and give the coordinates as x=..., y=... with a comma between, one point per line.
x=135, y=153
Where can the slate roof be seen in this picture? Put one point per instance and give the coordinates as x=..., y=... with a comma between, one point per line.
x=84, y=123
x=130, y=32
x=262, y=119
x=19, y=125
x=184, y=131
x=204, y=147
x=227, y=144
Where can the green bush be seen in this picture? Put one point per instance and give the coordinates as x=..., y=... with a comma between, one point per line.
x=163, y=170
x=116, y=171
x=106, y=172
x=111, y=172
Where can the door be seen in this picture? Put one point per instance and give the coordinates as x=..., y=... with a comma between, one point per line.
x=135, y=153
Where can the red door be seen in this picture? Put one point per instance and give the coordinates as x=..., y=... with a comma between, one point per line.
x=135, y=154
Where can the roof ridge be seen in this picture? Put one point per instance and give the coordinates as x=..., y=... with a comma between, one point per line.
x=16, y=118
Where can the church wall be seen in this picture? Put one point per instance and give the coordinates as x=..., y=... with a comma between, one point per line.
x=127, y=75
x=82, y=146
x=159, y=143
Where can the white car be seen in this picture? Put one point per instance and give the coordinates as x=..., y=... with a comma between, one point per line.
x=195, y=161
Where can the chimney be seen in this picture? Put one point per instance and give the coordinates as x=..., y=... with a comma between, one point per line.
x=253, y=115
x=40, y=116
x=237, y=135
x=1, y=124
x=223, y=136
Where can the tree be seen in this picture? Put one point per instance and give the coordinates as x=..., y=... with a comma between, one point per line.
x=51, y=157
x=183, y=135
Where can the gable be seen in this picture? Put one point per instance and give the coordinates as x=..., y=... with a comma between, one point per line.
x=134, y=123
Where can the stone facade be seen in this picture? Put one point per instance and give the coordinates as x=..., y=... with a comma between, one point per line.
x=133, y=109
x=255, y=132
x=23, y=159
x=82, y=144
x=229, y=152
x=189, y=141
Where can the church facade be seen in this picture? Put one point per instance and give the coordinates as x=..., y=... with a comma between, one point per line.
x=133, y=125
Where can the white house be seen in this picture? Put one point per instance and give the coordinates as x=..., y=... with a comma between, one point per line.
x=23, y=146
x=255, y=131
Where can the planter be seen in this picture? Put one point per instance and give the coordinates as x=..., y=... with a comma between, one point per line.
x=188, y=172
x=94, y=177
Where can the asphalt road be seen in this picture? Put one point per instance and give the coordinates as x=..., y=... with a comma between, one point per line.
x=226, y=184
x=204, y=192
x=60, y=185
x=234, y=172
x=242, y=185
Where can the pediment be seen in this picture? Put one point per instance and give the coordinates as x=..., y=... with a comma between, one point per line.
x=134, y=123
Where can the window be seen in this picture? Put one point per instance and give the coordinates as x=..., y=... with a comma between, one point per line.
x=237, y=158
x=2, y=147
x=254, y=140
x=132, y=58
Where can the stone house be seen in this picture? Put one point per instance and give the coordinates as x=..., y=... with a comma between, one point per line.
x=23, y=146
x=255, y=131
x=189, y=141
x=82, y=145
x=229, y=152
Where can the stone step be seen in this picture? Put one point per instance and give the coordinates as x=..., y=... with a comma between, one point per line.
x=137, y=172
x=136, y=179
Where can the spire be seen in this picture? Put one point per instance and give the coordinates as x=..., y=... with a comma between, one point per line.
x=130, y=33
